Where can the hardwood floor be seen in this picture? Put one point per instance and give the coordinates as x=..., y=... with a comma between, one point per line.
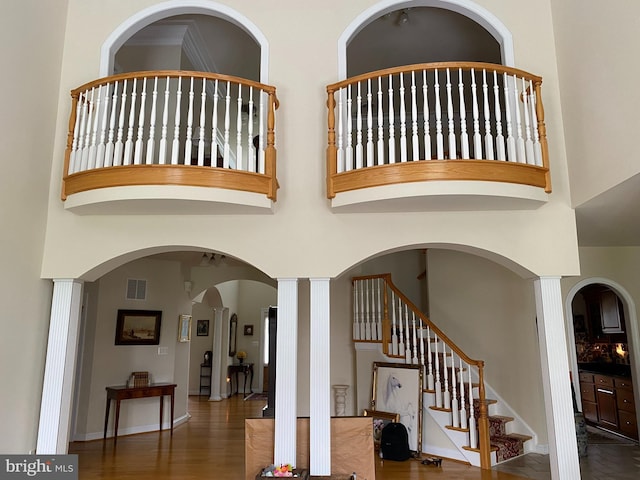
x=211, y=445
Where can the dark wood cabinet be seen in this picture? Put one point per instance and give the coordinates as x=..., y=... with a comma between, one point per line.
x=609, y=402
x=205, y=379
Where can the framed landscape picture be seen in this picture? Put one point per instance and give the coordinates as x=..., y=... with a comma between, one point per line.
x=138, y=327
x=397, y=388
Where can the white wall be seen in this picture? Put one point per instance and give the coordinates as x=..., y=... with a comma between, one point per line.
x=112, y=364
x=31, y=41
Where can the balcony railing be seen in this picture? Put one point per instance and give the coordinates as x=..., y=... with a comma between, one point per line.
x=436, y=121
x=172, y=128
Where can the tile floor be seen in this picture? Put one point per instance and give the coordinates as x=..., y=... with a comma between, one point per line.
x=611, y=461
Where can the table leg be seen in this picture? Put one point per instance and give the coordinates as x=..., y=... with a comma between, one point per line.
x=161, y=409
x=106, y=417
x=172, y=403
x=237, y=383
x=115, y=431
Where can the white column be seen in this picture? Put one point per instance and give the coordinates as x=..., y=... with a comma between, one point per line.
x=563, y=451
x=217, y=363
x=59, y=370
x=287, y=363
x=320, y=390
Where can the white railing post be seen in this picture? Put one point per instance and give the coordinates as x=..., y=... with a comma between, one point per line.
x=464, y=137
x=430, y=384
x=394, y=327
x=445, y=366
x=380, y=312
x=437, y=385
x=455, y=413
x=137, y=155
x=477, y=139
x=370, y=159
x=414, y=120
x=359, y=152
x=473, y=428
x=425, y=111
x=463, y=408
x=403, y=121
x=488, y=139
x=152, y=124
x=439, y=135
x=380, y=124
x=128, y=144
x=349, y=150
x=452, y=129
x=175, y=147
x=391, y=114
x=414, y=358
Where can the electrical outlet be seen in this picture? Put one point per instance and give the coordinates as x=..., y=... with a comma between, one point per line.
x=163, y=350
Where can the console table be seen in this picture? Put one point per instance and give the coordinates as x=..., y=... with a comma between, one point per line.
x=244, y=368
x=122, y=392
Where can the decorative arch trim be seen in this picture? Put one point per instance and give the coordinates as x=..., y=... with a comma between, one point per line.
x=470, y=9
x=171, y=8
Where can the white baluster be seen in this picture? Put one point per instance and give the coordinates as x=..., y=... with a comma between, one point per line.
x=201, y=142
x=380, y=311
x=426, y=113
x=367, y=313
x=152, y=124
x=94, y=131
x=103, y=129
x=452, y=129
x=175, y=147
x=401, y=347
x=380, y=124
x=349, y=150
x=263, y=133
x=403, y=121
x=439, y=135
x=363, y=315
x=108, y=151
x=477, y=138
x=188, y=145
x=340, y=165
x=359, y=149
x=511, y=142
x=117, y=153
x=537, y=148
x=162, y=149
x=128, y=145
x=488, y=138
x=414, y=358
x=520, y=151
x=370, y=154
x=445, y=366
x=76, y=133
x=410, y=347
x=415, y=144
x=463, y=408
x=455, y=414
x=500, y=148
x=226, y=150
x=214, y=126
x=528, y=143
x=473, y=433
x=239, y=157
x=437, y=385
x=394, y=327
x=392, y=131
x=422, y=362
x=87, y=138
x=430, y=384
x=137, y=156
x=464, y=137
x=251, y=154
x=356, y=323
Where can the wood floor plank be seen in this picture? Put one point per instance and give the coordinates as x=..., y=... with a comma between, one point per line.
x=211, y=445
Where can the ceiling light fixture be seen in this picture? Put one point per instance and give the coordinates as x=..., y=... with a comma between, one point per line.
x=403, y=18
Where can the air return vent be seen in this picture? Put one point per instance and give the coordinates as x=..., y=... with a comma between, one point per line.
x=136, y=289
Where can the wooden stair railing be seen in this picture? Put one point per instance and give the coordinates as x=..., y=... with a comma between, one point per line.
x=383, y=314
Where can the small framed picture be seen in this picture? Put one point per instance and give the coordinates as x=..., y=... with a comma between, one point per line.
x=138, y=327
x=184, y=328
x=380, y=420
x=202, y=328
x=248, y=330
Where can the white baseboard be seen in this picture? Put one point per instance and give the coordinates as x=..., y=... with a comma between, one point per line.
x=132, y=430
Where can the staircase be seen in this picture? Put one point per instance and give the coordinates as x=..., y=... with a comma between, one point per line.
x=452, y=382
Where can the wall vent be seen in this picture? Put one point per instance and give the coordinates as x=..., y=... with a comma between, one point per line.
x=136, y=289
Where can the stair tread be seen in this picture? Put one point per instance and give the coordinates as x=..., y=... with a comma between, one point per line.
x=501, y=418
x=457, y=429
x=518, y=436
x=471, y=449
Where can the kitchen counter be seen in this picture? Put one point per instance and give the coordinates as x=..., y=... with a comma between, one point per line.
x=613, y=369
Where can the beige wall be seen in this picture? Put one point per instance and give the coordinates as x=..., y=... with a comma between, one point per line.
x=111, y=364
x=304, y=237
x=31, y=41
x=596, y=44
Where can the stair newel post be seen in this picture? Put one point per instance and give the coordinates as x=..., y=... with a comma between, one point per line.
x=463, y=409
x=455, y=414
x=422, y=364
x=437, y=385
x=473, y=432
x=414, y=358
x=409, y=347
x=401, y=346
x=365, y=311
x=445, y=366
x=356, y=315
x=483, y=422
x=394, y=328
x=381, y=312
x=430, y=384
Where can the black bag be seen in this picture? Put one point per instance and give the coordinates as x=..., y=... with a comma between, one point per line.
x=394, y=442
